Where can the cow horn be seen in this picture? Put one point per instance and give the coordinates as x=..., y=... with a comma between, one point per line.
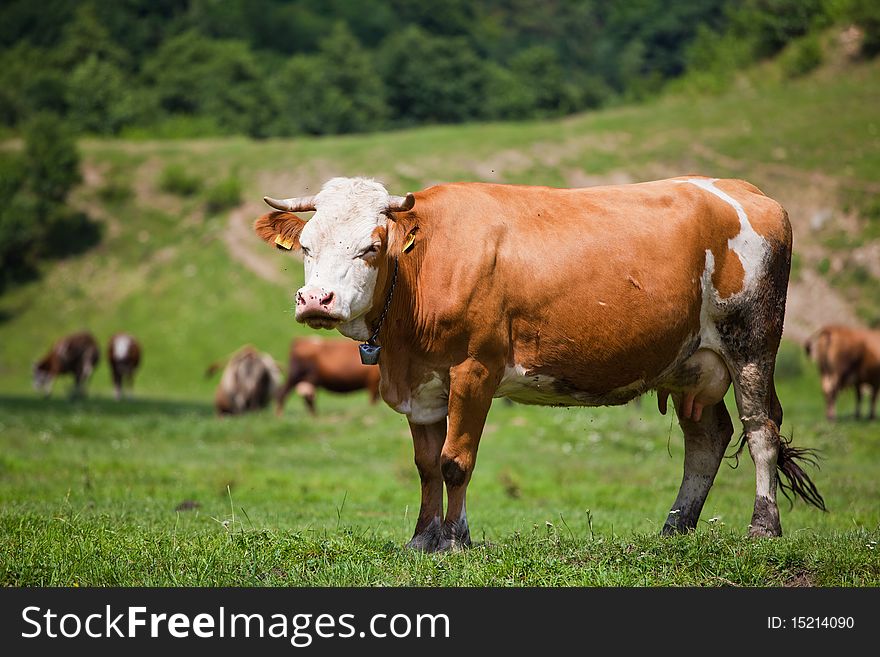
x=401, y=203
x=300, y=204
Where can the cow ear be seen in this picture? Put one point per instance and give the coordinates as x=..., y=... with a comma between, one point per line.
x=280, y=229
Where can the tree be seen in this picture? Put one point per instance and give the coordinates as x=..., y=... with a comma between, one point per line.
x=538, y=69
x=193, y=75
x=335, y=91
x=96, y=95
x=432, y=79
x=51, y=159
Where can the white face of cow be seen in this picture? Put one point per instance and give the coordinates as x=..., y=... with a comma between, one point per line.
x=340, y=246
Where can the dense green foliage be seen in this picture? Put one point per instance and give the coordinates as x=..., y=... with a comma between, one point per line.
x=34, y=184
x=287, y=67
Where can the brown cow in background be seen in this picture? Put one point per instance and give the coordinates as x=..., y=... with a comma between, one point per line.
x=124, y=355
x=334, y=365
x=249, y=382
x=846, y=357
x=76, y=354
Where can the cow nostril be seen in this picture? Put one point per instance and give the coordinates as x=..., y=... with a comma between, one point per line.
x=327, y=299
x=300, y=301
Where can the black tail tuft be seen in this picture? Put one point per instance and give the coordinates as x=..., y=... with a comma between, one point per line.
x=794, y=482
x=797, y=482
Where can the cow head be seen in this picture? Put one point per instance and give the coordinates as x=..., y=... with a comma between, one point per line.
x=42, y=374
x=343, y=245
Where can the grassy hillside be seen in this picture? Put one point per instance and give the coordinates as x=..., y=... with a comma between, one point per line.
x=164, y=269
x=90, y=489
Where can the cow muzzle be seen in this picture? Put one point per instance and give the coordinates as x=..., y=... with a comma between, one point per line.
x=315, y=307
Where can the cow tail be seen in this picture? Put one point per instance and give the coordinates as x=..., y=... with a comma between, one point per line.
x=794, y=481
x=213, y=368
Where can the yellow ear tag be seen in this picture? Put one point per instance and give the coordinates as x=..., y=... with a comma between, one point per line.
x=283, y=243
x=410, y=240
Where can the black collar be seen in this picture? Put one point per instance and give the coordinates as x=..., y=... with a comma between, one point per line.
x=369, y=349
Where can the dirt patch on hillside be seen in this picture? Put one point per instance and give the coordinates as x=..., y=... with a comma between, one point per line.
x=247, y=249
x=241, y=241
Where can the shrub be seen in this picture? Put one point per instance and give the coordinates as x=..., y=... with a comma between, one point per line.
x=801, y=57
x=866, y=14
x=223, y=195
x=51, y=159
x=175, y=179
x=116, y=187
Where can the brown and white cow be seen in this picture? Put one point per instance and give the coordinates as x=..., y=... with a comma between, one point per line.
x=76, y=354
x=557, y=297
x=333, y=365
x=250, y=380
x=846, y=357
x=124, y=355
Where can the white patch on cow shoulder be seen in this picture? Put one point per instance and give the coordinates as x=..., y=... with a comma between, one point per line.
x=750, y=247
x=121, y=345
x=428, y=402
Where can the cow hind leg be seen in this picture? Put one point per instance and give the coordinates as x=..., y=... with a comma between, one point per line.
x=830, y=388
x=705, y=441
x=761, y=415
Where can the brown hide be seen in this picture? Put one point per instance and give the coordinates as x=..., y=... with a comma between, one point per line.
x=331, y=364
x=77, y=354
x=578, y=297
x=598, y=288
x=846, y=357
x=249, y=382
x=123, y=365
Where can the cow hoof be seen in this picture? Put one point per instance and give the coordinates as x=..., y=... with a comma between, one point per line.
x=425, y=542
x=427, y=539
x=453, y=544
x=765, y=519
x=763, y=531
x=455, y=536
x=670, y=529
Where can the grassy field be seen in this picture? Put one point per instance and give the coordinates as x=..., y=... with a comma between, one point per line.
x=157, y=491
x=92, y=495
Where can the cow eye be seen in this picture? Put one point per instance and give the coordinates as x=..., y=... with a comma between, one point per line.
x=369, y=251
x=305, y=250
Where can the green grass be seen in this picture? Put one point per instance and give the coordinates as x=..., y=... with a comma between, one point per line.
x=89, y=490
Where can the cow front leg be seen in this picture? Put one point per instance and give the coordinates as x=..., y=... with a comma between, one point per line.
x=704, y=444
x=427, y=444
x=471, y=386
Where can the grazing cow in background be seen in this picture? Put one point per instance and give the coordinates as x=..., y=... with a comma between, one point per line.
x=334, y=365
x=76, y=354
x=124, y=354
x=559, y=297
x=249, y=382
x=846, y=357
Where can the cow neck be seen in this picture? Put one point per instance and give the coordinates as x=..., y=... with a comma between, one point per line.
x=397, y=300
x=377, y=325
